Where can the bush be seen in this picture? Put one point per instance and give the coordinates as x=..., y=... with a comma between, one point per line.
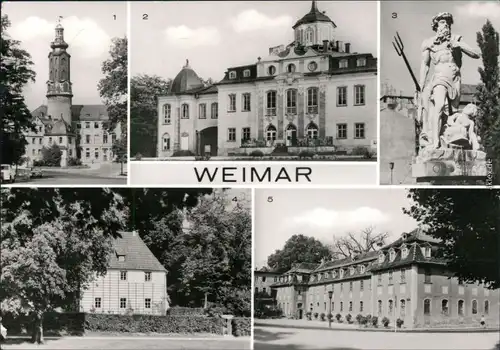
x=241, y=326
x=138, y=156
x=186, y=311
x=306, y=154
x=54, y=323
x=315, y=315
x=52, y=156
x=385, y=321
x=74, y=162
x=39, y=163
x=399, y=322
x=330, y=317
x=348, y=318
x=257, y=153
x=359, y=318
x=280, y=149
x=308, y=315
x=374, y=321
x=338, y=317
x=323, y=316
x=185, y=153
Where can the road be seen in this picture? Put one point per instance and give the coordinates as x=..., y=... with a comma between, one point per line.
x=60, y=178
x=132, y=343
x=274, y=338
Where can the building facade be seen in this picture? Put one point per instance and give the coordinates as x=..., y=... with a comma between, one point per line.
x=135, y=282
x=401, y=281
x=264, y=278
x=80, y=131
x=315, y=92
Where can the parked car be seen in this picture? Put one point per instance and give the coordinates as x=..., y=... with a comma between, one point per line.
x=23, y=174
x=8, y=173
x=36, y=173
x=3, y=332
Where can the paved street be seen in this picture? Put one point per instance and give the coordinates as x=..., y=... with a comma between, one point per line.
x=274, y=338
x=132, y=343
x=60, y=178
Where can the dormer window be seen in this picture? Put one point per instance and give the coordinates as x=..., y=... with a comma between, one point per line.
x=361, y=62
x=392, y=255
x=343, y=64
x=121, y=258
x=381, y=258
x=351, y=270
x=290, y=68
x=334, y=274
x=362, y=268
x=341, y=273
x=271, y=70
x=404, y=252
x=426, y=251
x=246, y=73
x=232, y=75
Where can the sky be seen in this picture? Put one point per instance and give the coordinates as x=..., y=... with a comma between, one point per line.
x=217, y=35
x=323, y=213
x=413, y=23
x=88, y=29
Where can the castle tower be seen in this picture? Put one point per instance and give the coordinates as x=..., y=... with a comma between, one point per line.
x=59, y=91
x=314, y=28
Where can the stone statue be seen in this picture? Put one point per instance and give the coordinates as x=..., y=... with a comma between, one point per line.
x=440, y=96
x=460, y=130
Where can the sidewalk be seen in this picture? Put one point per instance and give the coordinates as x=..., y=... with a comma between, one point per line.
x=107, y=171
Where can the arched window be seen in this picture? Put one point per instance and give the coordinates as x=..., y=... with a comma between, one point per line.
x=214, y=109
x=392, y=255
x=391, y=306
x=202, y=111
x=291, y=101
x=474, y=307
x=334, y=274
x=351, y=270
x=460, y=307
x=165, y=146
x=312, y=131
x=271, y=133
x=309, y=36
x=444, y=307
x=404, y=252
x=271, y=103
x=402, y=307
x=362, y=268
x=185, y=111
x=271, y=70
x=312, y=100
x=427, y=307
x=486, y=307
x=379, y=303
x=167, y=113
x=381, y=258
x=290, y=68
x=341, y=273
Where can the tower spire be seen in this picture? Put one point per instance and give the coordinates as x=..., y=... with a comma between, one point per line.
x=314, y=6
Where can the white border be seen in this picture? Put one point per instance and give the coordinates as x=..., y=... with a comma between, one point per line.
x=129, y=66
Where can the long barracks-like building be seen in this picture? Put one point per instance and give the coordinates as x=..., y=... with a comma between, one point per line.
x=402, y=280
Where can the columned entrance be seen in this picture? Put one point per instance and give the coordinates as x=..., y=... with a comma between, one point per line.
x=291, y=135
x=207, y=139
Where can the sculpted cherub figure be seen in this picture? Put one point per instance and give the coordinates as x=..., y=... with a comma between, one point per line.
x=461, y=126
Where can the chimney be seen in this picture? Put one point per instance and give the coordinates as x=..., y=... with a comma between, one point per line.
x=340, y=46
x=347, y=47
x=325, y=45
x=337, y=46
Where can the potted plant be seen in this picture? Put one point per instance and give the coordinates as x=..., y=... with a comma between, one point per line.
x=338, y=317
x=375, y=321
x=399, y=322
x=308, y=315
x=316, y=315
x=385, y=322
x=348, y=318
x=358, y=318
x=330, y=317
x=323, y=316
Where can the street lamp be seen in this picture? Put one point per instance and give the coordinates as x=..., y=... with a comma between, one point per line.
x=330, y=294
x=391, y=166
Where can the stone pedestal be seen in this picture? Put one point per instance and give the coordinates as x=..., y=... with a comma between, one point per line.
x=449, y=165
x=227, y=328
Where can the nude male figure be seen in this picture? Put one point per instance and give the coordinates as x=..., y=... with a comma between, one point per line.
x=444, y=51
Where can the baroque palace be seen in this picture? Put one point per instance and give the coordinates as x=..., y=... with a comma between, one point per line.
x=402, y=280
x=80, y=131
x=315, y=92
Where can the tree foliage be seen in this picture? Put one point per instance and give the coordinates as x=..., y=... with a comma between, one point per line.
x=144, y=92
x=488, y=95
x=298, y=249
x=51, y=156
x=353, y=244
x=467, y=223
x=16, y=72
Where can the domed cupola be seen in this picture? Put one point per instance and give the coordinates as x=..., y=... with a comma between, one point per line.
x=186, y=80
x=314, y=28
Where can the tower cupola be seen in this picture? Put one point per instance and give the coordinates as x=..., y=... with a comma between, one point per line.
x=314, y=28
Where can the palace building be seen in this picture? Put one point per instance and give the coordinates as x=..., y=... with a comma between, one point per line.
x=80, y=131
x=403, y=280
x=314, y=92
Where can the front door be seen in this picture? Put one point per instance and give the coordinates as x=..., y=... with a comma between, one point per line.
x=184, y=143
x=291, y=136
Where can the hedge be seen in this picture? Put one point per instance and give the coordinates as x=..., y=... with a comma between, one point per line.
x=53, y=323
x=185, y=311
x=241, y=326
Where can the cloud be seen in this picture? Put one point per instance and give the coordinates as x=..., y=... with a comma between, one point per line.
x=82, y=34
x=186, y=37
x=253, y=20
x=322, y=218
x=480, y=9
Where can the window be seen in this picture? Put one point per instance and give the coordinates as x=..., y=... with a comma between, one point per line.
x=460, y=308
x=312, y=131
x=87, y=153
x=403, y=276
x=271, y=70
x=361, y=62
x=96, y=138
x=123, y=275
x=245, y=136
x=70, y=140
x=444, y=307
x=246, y=73
x=427, y=252
x=343, y=64
x=390, y=277
x=350, y=306
x=341, y=131
x=185, y=111
x=165, y=142
x=350, y=286
x=50, y=140
x=123, y=303
x=362, y=269
x=341, y=274
x=263, y=278
x=87, y=125
x=33, y=140
x=291, y=101
x=334, y=274
x=361, y=285
x=290, y=68
x=379, y=276
x=391, y=306
x=312, y=66
x=271, y=133
x=214, y=111
x=97, y=303
x=486, y=307
x=40, y=141
x=271, y=103
x=351, y=270
x=147, y=276
x=392, y=253
x=427, y=307
x=232, y=103
x=147, y=303
x=312, y=100
x=167, y=112
x=342, y=96
x=87, y=138
x=359, y=95
x=96, y=125
x=404, y=252
x=231, y=134
x=202, y=111
x=359, y=130
x=309, y=36
x=360, y=306
x=78, y=126
x=379, y=307
x=381, y=258
x=427, y=276
x=402, y=307
x=232, y=75
x=121, y=258
x=96, y=153
x=341, y=306
x=246, y=102
x=474, y=307
x=105, y=137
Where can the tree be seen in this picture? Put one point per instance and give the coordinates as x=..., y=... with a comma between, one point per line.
x=16, y=72
x=298, y=249
x=144, y=92
x=353, y=244
x=488, y=96
x=467, y=223
x=52, y=155
x=53, y=242
x=120, y=151
x=114, y=91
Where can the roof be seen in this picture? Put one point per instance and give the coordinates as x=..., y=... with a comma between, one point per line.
x=137, y=254
x=313, y=16
x=266, y=270
x=57, y=127
x=78, y=113
x=186, y=80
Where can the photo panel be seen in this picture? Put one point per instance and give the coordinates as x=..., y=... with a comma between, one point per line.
x=65, y=119
x=126, y=268
x=439, y=88
x=376, y=268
